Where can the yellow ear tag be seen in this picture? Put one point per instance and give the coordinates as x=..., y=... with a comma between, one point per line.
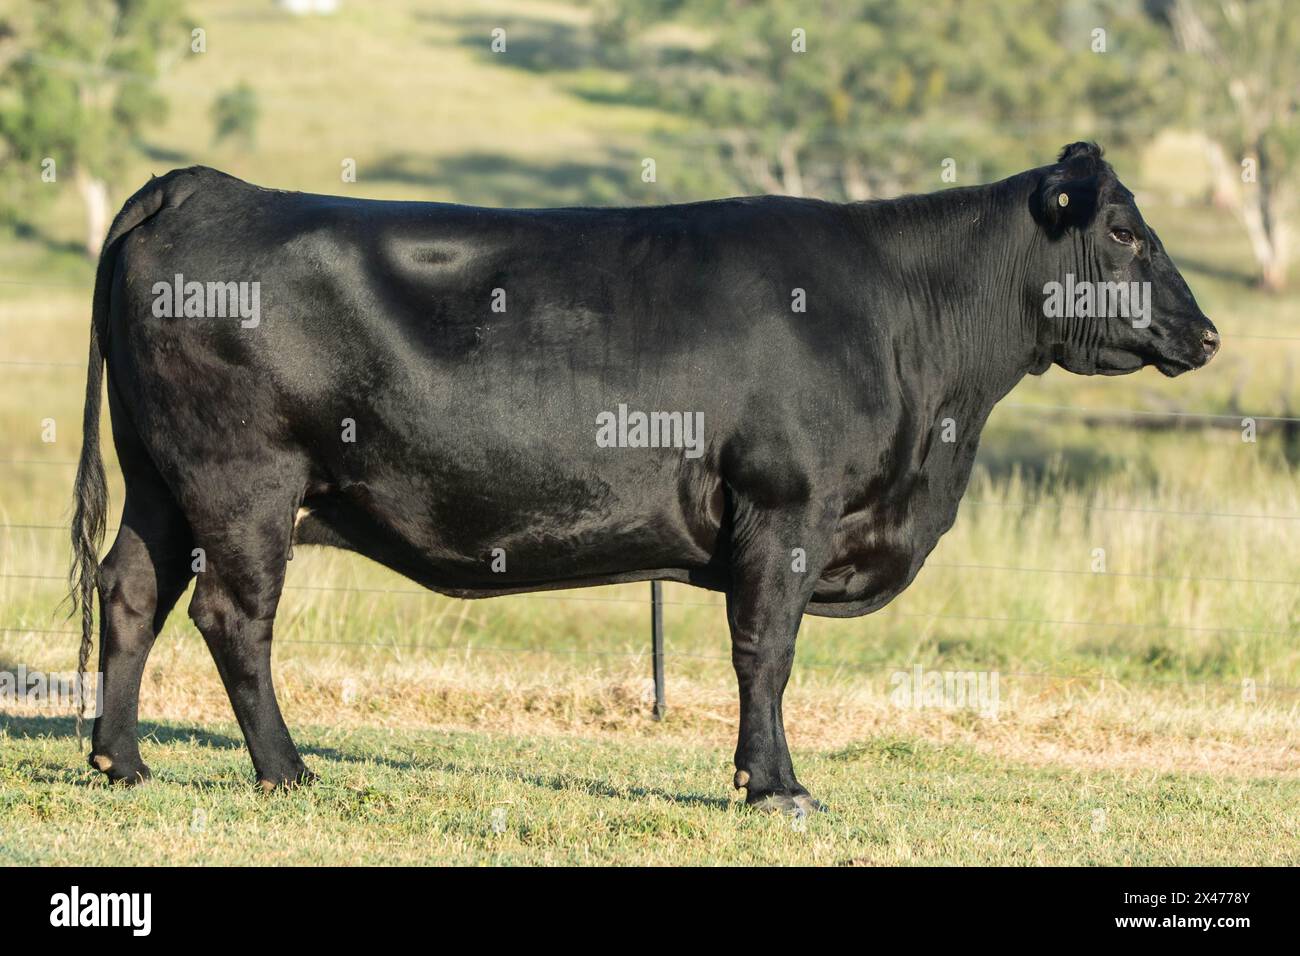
x=1063, y=199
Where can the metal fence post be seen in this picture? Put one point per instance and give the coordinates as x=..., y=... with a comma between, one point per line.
x=657, y=644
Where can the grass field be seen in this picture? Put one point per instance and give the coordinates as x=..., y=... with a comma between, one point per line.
x=518, y=730
x=465, y=797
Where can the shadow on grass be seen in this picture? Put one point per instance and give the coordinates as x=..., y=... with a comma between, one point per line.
x=531, y=43
x=1242, y=278
x=565, y=783
x=164, y=154
x=1077, y=461
x=536, y=45
x=30, y=727
x=30, y=231
x=33, y=727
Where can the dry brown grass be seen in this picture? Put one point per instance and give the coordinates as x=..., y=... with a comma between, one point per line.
x=1062, y=723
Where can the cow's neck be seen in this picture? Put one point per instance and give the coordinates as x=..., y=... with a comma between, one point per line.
x=956, y=265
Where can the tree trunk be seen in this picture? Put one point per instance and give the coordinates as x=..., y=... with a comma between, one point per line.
x=1274, y=200
x=1224, y=177
x=1274, y=271
x=94, y=193
x=751, y=163
x=856, y=187
x=791, y=176
x=1261, y=209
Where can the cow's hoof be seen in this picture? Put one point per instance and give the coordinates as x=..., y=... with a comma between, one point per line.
x=127, y=773
x=792, y=804
x=305, y=778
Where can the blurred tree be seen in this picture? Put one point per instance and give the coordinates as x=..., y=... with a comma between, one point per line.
x=235, y=113
x=1242, y=70
x=867, y=97
x=78, y=84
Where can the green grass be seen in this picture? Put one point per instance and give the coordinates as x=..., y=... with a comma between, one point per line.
x=475, y=798
x=1122, y=691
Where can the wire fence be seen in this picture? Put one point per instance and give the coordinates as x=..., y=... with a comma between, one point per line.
x=879, y=669
x=890, y=612
x=967, y=618
x=839, y=667
x=1006, y=568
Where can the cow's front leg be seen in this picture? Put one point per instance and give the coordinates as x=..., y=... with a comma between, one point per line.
x=777, y=557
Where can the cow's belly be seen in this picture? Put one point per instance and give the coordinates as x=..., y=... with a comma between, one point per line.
x=532, y=527
x=569, y=521
x=491, y=548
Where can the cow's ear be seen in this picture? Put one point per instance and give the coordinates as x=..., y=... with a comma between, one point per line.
x=1062, y=201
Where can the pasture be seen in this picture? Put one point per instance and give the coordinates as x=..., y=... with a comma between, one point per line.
x=1149, y=705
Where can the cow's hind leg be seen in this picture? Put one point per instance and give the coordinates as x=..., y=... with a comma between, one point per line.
x=140, y=580
x=234, y=605
x=776, y=561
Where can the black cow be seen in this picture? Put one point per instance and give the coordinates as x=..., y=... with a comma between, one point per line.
x=465, y=395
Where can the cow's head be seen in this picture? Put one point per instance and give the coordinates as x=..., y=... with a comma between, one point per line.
x=1111, y=299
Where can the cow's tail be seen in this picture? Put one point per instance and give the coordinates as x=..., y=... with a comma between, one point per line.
x=90, y=493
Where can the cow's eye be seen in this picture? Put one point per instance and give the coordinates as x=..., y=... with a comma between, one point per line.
x=1122, y=235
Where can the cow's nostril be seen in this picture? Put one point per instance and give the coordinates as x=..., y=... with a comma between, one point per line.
x=1210, y=341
